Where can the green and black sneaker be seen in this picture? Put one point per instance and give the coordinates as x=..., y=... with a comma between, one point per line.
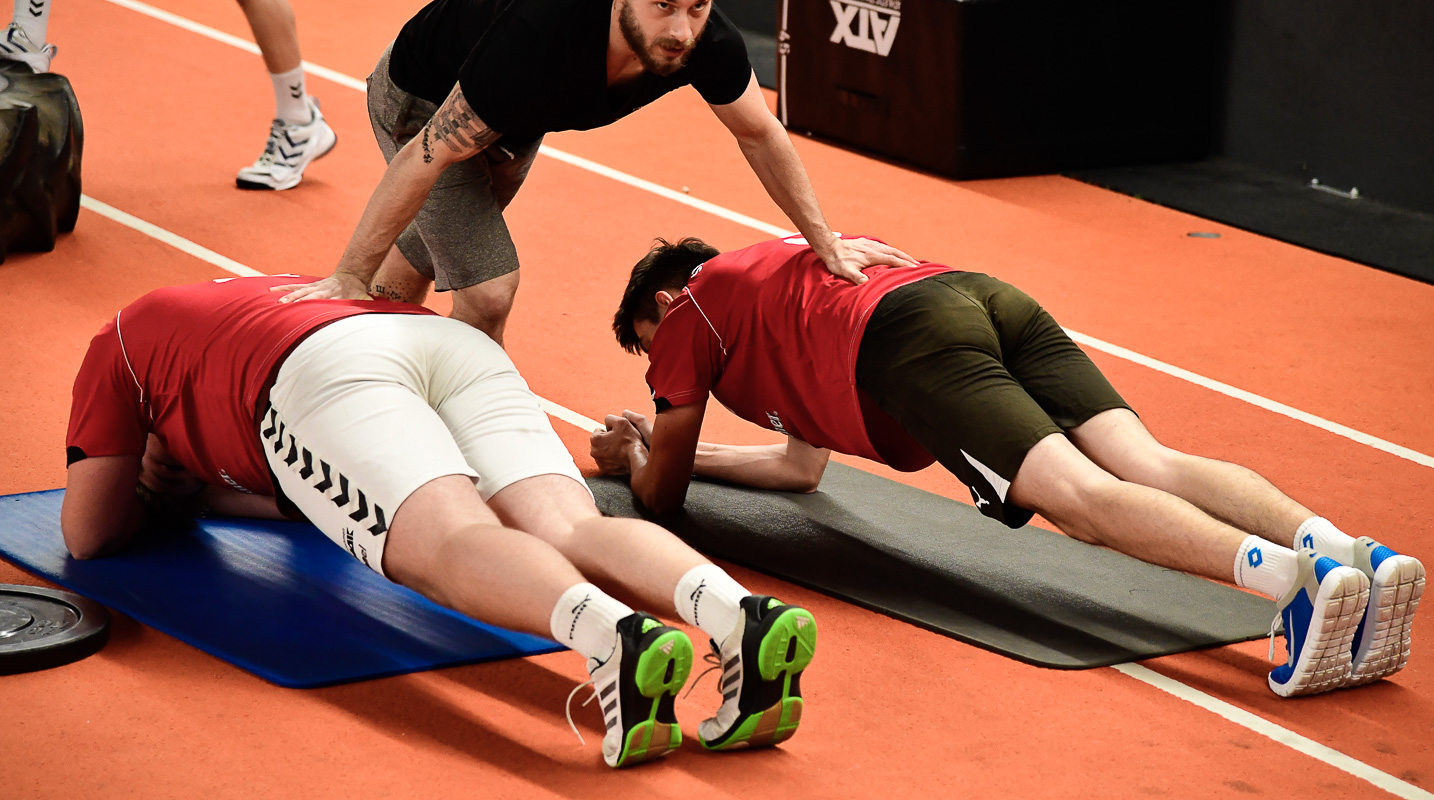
x=635, y=688
x=762, y=662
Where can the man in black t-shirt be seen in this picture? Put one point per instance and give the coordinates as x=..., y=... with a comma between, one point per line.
x=460, y=103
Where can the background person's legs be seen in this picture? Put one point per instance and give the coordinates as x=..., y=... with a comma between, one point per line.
x=299, y=134
x=24, y=38
x=275, y=31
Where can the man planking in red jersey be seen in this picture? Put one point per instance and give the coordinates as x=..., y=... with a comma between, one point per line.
x=931, y=363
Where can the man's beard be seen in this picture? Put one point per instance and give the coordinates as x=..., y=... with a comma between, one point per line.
x=632, y=32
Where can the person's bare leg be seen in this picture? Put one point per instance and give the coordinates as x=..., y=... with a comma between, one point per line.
x=486, y=305
x=397, y=280
x=275, y=31
x=1119, y=443
x=445, y=544
x=656, y=566
x=1088, y=503
x=642, y=558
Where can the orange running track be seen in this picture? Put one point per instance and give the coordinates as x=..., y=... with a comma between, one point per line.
x=171, y=113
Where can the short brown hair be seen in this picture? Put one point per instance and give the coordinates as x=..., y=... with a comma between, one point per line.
x=666, y=266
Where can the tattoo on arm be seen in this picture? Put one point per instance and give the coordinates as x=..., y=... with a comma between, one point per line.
x=457, y=126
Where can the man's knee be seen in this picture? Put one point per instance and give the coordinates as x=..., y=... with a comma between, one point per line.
x=486, y=305
x=1058, y=482
x=1120, y=444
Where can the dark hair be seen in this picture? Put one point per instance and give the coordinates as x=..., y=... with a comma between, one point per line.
x=666, y=266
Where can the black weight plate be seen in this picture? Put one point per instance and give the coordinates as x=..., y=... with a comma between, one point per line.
x=42, y=628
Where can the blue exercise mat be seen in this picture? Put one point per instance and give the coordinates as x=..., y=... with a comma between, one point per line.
x=275, y=598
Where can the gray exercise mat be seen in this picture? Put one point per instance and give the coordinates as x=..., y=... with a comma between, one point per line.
x=1029, y=594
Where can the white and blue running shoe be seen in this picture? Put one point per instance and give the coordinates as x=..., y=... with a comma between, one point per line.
x=1381, y=641
x=1321, y=612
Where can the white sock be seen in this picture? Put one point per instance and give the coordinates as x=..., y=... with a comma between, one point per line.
x=34, y=17
x=1265, y=567
x=1320, y=535
x=585, y=619
x=707, y=597
x=291, y=100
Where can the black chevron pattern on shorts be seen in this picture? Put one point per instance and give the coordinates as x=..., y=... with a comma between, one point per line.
x=362, y=510
x=323, y=485
x=380, y=526
x=342, y=498
x=301, y=459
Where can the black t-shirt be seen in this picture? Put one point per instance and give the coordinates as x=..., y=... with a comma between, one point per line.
x=529, y=67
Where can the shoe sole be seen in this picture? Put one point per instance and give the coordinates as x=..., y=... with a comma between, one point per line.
x=785, y=650
x=1392, y=602
x=661, y=671
x=1324, y=663
x=289, y=184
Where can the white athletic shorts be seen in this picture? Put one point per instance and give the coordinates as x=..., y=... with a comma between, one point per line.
x=367, y=409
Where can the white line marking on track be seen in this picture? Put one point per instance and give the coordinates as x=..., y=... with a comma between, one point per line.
x=1235, y=714
x=777, y=231
x=1284, y=736
x=172, y=239
x=233, y=41
x=1253, y=399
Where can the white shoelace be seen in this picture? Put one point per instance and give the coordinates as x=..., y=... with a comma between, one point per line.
x=568, y=707
x=271, y=145
x=713, y=657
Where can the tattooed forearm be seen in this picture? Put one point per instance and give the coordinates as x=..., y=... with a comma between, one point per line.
x=456, y=125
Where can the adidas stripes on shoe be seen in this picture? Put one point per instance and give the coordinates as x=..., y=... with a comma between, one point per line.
x=288, y=151
x=762, y=661
x=635, y=688
x=1321, y=612
x=1381, y=641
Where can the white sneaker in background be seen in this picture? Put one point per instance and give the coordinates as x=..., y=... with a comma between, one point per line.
x=288, y=152
x=15, y=45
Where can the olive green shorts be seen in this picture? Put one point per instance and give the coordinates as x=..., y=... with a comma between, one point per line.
x=977, y=372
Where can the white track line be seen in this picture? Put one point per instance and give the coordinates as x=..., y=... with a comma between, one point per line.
x=1237, y=715
x=1253, y=399
x=173, y=240
x=233, y=41
x=777, y=231
x=1284, y=736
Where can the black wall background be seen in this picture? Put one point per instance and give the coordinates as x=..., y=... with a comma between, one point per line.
x=1341, y=91
x=1336, y=90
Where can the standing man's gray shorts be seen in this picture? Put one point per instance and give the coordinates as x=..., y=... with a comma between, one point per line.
x=458, y=238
